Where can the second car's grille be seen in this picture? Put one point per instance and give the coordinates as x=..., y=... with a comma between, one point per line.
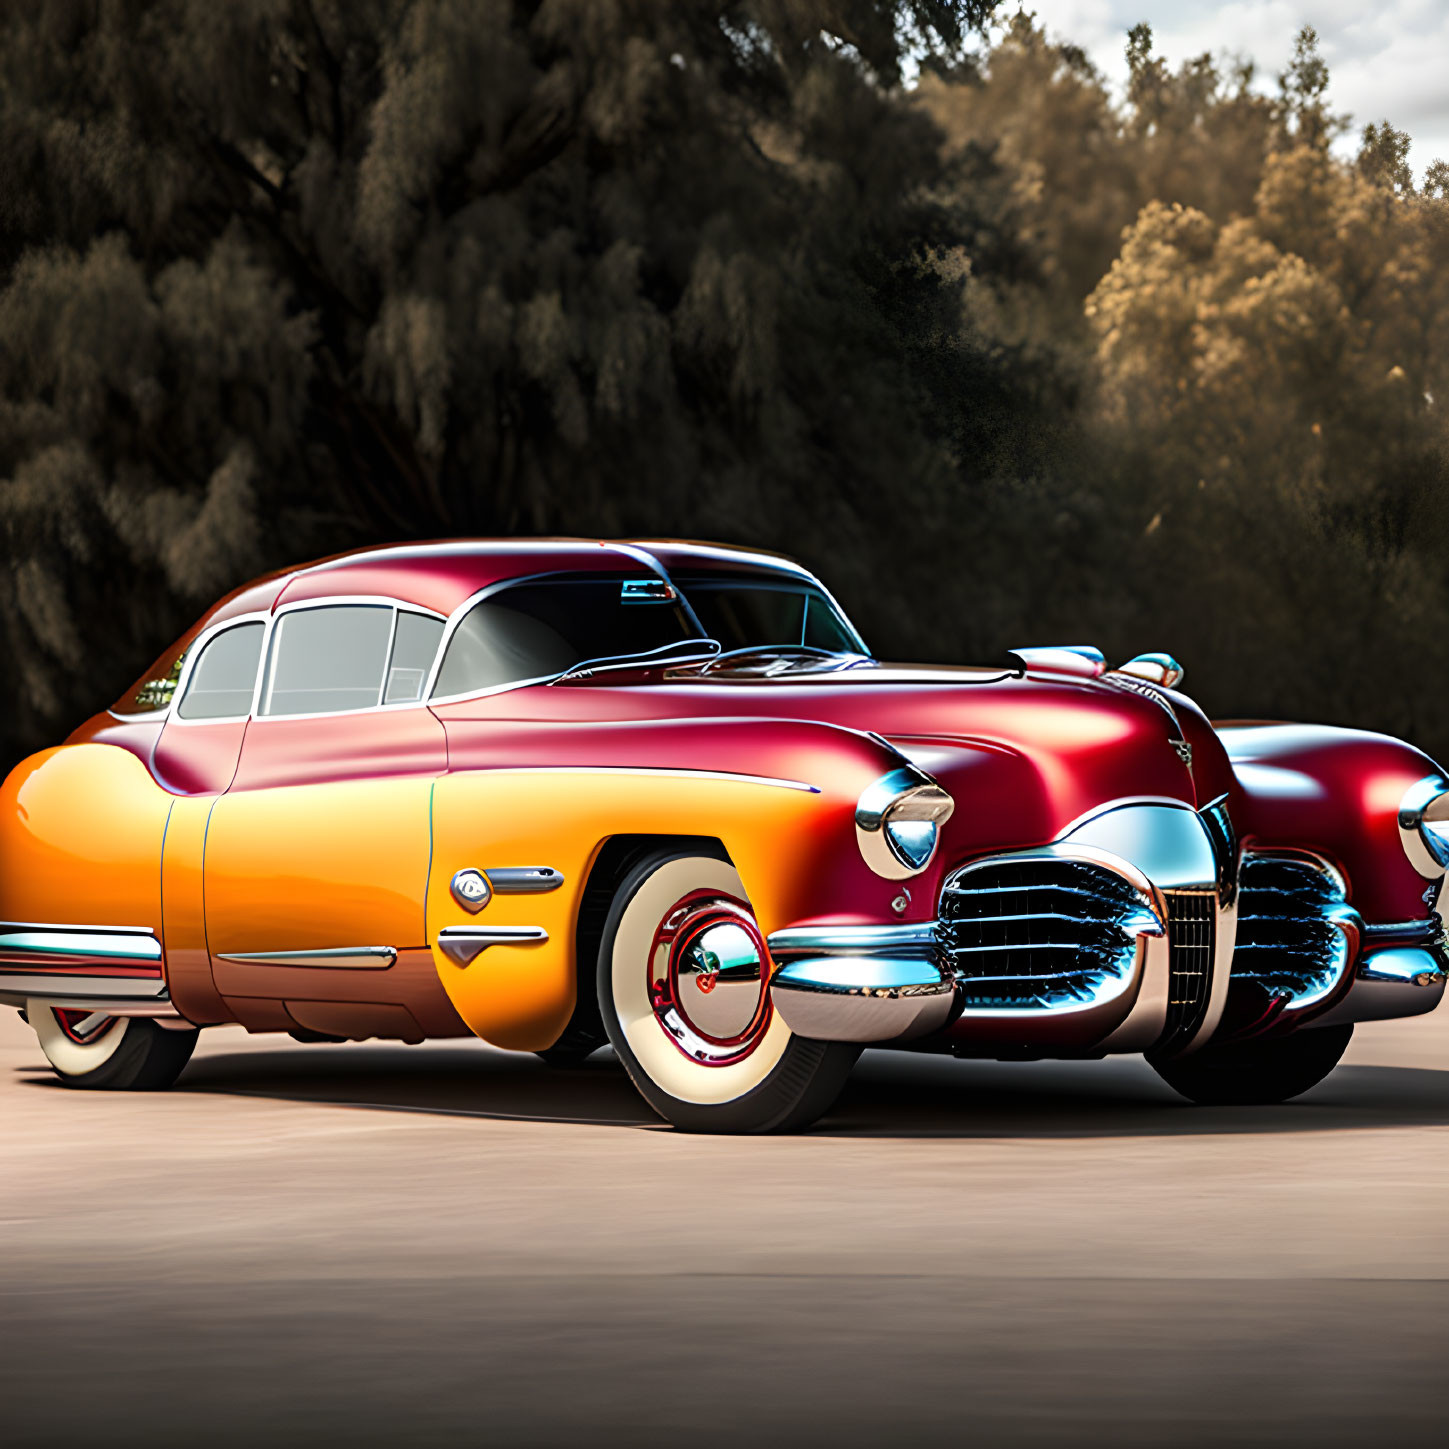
x=1040, y=933
x=1291, y=918
x=1191, y=936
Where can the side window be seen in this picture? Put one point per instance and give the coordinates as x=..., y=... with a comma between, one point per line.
x=221, y=684
x=413, y=647
x=328, y=658
x=496, y=645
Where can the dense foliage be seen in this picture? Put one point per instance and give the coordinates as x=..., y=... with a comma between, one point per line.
x=1005, y=358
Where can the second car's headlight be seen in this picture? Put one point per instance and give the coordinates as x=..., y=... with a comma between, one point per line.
x=898, y=821
x=1424, y=826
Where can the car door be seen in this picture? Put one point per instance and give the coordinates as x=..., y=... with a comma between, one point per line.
x=316, y=858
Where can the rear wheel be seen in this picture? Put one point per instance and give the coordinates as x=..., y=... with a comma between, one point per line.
x=116, y=1053
x=1255, y=1073
x=684, y=993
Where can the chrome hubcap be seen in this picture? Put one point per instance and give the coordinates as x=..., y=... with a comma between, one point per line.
x=708, y=977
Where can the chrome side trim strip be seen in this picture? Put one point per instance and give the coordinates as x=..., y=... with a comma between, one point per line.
x=34, y=943
x=359, y=958
x=523, y=880
x=461, y=944
x=663, y=771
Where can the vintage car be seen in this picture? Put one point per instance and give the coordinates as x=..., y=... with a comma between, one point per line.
x=563, y=793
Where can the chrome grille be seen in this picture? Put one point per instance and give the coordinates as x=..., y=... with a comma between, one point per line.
x=1039, y=933
x=1292, y=917
x=1191, y=934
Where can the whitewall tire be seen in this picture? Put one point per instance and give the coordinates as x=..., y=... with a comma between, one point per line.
x=684, y=993
x=89, y=1049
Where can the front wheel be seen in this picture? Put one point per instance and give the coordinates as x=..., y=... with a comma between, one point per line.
x=1256, y=1073
x=117, y=1053
x=684, y=993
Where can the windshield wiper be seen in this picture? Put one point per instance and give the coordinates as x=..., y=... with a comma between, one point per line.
x=680, y=651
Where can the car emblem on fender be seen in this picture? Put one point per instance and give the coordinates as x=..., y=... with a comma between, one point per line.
x=471, y=890
x=1184, y=751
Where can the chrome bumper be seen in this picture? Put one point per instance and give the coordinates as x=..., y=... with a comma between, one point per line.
x=860, y=983
x=891, y=982
x=1388, y=983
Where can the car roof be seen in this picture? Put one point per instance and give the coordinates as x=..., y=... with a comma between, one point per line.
x=443, y=574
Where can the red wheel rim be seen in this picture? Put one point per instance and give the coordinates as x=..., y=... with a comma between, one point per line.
x=709, y=972
x=81, y=1026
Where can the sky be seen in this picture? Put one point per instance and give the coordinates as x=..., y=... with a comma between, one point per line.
x=1388, y=59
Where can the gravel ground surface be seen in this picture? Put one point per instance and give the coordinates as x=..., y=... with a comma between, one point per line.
x=380, y=1245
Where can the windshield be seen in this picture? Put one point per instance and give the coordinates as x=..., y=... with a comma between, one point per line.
x=540, y=628
x=746, y=611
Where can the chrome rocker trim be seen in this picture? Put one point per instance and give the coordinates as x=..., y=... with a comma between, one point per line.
x=363, y=958
x=463, y=944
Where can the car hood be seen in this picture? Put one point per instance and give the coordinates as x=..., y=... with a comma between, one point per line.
x=1026, y=755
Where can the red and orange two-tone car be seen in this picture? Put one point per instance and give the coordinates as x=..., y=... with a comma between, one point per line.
x=562, y=793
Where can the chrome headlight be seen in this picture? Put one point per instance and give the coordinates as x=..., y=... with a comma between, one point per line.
x=898, y=821
x=1424, y=826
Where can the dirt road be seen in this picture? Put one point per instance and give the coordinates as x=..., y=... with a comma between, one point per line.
x=375, y=1245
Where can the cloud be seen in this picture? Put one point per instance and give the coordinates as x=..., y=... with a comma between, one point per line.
x=1387, y=60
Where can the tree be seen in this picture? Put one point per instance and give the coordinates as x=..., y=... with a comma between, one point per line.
x=281, y=276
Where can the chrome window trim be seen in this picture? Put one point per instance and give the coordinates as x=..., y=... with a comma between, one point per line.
x=387, y=660
x=193, y=656
x=268, y=618
x=331, y=601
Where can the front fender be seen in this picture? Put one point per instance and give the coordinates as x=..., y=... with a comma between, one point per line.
x=790, y=836
x=1335, y=792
